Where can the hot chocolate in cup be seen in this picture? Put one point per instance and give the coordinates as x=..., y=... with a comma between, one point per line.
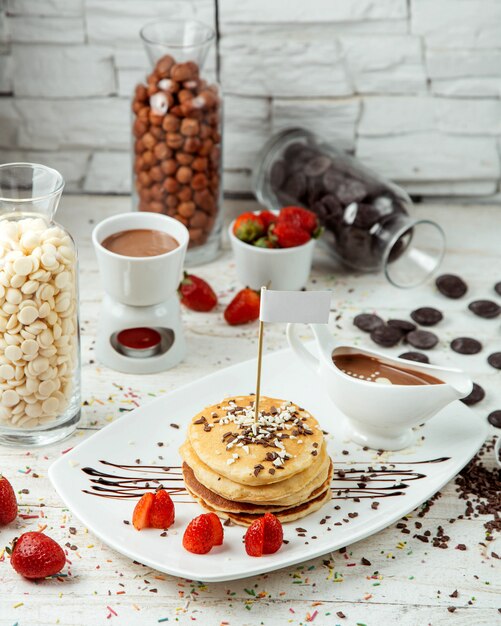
x=140, y=280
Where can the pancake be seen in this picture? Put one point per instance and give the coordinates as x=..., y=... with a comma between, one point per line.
x=286, y=492
x=284, y=442
x=220, y=504
x=286, y=515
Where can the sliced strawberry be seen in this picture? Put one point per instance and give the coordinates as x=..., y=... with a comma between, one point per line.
x=36, y=555
x=254, y=538
x=217, y=529
x=273, y=534
x=243, y=308
x=199, y=535
x=248, y=227
x=8, y=502
x=196, y=294
x=162, y=510
x=264, y=536
x=142, y=511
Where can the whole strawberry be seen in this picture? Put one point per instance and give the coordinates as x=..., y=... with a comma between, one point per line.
x=36, y=555
x=288, y=235
x=249, y=226
x=268, y=218
x=243, y=308
x=302, y=218
x=264, y=536
x=196, y=293
x=8, y=502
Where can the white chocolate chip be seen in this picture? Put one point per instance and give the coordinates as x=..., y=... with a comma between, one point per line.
x=23, y=266
x=9, y=398
x=13, y=353
x=27, y=315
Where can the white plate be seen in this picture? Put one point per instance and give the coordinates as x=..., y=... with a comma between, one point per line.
x=450, y=440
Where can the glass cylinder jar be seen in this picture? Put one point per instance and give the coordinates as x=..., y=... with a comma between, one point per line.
x=177, y=133
x=367, y=220
x=39, y=329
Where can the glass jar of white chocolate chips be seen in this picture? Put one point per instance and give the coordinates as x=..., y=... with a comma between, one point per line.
x=39, y=330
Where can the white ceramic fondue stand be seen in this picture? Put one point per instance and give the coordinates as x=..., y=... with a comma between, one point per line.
x=379, y=416
x=140, y=292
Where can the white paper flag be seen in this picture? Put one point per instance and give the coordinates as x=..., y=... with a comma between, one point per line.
x=308, y=307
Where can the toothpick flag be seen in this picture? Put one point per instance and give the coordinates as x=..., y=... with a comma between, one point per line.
x=308, y=307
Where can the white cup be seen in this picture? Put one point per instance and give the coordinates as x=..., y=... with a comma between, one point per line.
x=284, y=269
x=140, y=281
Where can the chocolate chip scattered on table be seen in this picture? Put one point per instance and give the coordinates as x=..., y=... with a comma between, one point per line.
x=494, y=360
x=367, y=322
x=422, y=339
x=418, y=357
x=466, y=345
x=477, y=394
x=451, y=286
x=485, y=308
x=427, y=316
x=403, y=325
x=386, y=336
x=494, y=418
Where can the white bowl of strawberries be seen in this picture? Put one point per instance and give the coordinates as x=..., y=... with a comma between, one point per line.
x=274, y=249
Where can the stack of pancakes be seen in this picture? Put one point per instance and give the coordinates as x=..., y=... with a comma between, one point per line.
x=241, y=469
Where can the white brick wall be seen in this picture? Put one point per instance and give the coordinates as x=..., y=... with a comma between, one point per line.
x=413, y=87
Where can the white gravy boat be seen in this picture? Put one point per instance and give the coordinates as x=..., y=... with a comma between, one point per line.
x=380, y=416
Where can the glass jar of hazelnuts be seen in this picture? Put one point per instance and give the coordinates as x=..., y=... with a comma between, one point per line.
x=39, y=330
x=177, y=133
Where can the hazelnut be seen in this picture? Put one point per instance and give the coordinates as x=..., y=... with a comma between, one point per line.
x=192, y=145
x=157, y=174
x=196, y=234
x=185, y=193
x=149, y=159
x=139, y=128
x=189, y=127
x=184, y=159
x=206, y=147
x=164, y=66
x=181, y=219
x=149, y=140
x=205, y=200
x=175, y=140
x=157, y=192
x=184, y=95
x=155, y=119
x=199, y=181
x=198, y=220
x=184, y=174
x=169, y=167
x=170, y=123
x=200, y=164
x=171, y=201
x=144, y=179
x=170, y=185
x=161, y=151
x=156, y=207
x=140, y=93
x=184, y=71
x=186, y=209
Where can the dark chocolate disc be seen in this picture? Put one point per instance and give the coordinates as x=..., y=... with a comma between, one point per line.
x=332, y=179
x=497, y=288
x=403, y=325
x=367, y=322
x=494, y=359
x=485, y=308
x=494, y=418
x=477, y=394
x=422, y=339
x=451, y=286
x=418, y=357
x=466, y=345
x=386, y=336
x=317, y=166
x=427, y=316
x=351, y=190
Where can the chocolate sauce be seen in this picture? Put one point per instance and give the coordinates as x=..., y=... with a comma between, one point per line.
x=368, y=483
x=140, y=242
x=371, y=369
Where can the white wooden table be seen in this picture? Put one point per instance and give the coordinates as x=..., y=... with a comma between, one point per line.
x=408, y=582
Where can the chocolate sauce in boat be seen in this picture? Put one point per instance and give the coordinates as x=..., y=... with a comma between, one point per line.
x=371, y=369
x=140, y=242
x=132, y=481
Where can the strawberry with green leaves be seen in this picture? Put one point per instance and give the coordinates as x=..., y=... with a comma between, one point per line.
x=196, y=294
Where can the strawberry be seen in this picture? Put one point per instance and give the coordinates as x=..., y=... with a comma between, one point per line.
x=302, y=218
x=249, y=226
x=36, y=555
x=288, y=235
x=263, y=242
x=264, y=536
x=268, y=219
x=162, y=510
x=217, y=529
x=196, y=293
x=142, y=511
x=203, y=533
x=243, y=308
x=8, y=502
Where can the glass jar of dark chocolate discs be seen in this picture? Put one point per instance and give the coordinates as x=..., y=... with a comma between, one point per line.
x=367, y=220
x=177, y=133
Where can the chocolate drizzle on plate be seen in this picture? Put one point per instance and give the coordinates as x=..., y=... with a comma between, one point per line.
x=132, y=481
